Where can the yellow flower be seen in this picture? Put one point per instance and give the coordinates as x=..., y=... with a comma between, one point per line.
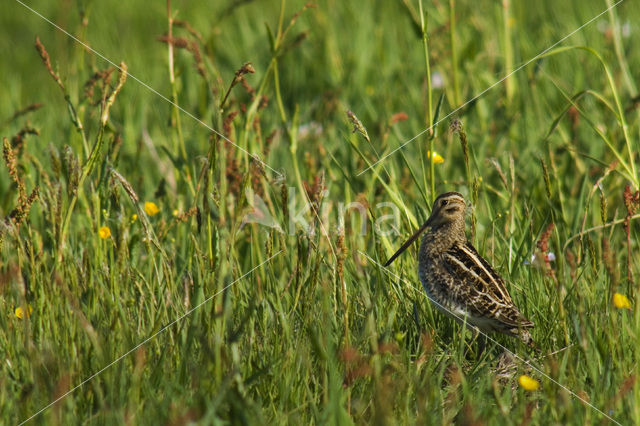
x=528, y=383
x=621, y=301
x=22, y=312
x=176, y=212
x=151, y=208
x=437, y=158
x=104, y=232
x=134, y=217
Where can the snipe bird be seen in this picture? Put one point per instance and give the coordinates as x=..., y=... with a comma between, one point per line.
x=459, y=282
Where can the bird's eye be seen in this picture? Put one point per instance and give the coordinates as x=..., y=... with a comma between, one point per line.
x=444, y=203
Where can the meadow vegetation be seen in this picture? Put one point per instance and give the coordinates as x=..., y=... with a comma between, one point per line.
x=150, y=268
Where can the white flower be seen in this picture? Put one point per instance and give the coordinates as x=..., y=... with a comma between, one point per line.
x=437, y=81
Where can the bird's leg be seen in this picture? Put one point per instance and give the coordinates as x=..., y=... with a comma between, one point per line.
x=482, y=343
x=415, y=316
x=476, y=336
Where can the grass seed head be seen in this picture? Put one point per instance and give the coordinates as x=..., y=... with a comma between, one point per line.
x=245, y=69
x=72, y=166
x=358, y=126
x=17, y=142
x=11, y=161
x=122, y=78
x=177, y=42
x=608, y=257
x=631, y=200
x=545, y=175
x=398, y=117
x=457, y=128
x=101, y=78
x=44, y=55
x=26, y=110
x=227, y=124
x=603, y=207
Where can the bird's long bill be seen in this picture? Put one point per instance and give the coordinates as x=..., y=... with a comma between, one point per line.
x=409, y=242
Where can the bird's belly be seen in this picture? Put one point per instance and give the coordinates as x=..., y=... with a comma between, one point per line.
x=444, y=299
x=461, y=315
x=437, y=293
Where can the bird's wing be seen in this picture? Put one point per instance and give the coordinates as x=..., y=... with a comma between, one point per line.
x=481, y=286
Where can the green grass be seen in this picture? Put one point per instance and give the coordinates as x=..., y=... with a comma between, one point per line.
x=321, y=333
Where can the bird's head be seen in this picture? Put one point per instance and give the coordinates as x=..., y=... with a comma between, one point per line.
x=448, y=209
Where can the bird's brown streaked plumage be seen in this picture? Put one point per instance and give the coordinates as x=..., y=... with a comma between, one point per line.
x=457, y=279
